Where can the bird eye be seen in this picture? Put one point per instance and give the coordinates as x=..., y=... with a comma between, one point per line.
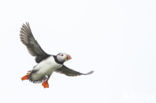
x=67, y=57
x=61, y=54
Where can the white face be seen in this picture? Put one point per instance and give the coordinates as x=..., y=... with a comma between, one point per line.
x=62, y=57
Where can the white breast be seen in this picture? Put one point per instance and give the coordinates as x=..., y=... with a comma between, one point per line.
x=47, y=66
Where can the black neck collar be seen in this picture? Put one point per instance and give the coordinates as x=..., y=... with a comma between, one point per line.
x=57, y=60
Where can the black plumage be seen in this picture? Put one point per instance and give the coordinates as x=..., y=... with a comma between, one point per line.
x=32, y=45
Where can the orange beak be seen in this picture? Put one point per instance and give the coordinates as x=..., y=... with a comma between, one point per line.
x=68, y=57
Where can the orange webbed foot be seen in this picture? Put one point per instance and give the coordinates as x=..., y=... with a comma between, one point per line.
x=26, y=77
x=45, y=84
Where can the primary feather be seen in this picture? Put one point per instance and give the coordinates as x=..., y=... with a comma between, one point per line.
x=69, y=72
x=32, y=45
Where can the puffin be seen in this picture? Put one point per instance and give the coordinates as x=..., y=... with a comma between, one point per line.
x=46, y=63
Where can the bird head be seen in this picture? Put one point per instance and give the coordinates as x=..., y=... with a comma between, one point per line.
x=62, y=57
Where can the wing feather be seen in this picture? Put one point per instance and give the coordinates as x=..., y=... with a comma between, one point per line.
x=69, y=72
x=28, y=39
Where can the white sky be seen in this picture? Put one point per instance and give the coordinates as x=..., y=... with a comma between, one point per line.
x=115, y=38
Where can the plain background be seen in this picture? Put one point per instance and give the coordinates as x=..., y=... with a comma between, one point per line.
x=115, y=38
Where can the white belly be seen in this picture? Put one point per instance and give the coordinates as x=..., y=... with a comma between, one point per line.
x=45, y=67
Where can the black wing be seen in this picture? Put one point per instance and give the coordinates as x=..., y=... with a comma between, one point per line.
x=69, y=72
x=32, y=45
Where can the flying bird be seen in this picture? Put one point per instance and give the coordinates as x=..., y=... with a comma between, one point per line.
x=46, y=63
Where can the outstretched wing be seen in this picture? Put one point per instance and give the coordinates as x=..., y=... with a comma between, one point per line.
x=32, y=45
x=69, y=72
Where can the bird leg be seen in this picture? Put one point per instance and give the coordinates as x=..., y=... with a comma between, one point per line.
x=45, y=83
x=26, y=77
